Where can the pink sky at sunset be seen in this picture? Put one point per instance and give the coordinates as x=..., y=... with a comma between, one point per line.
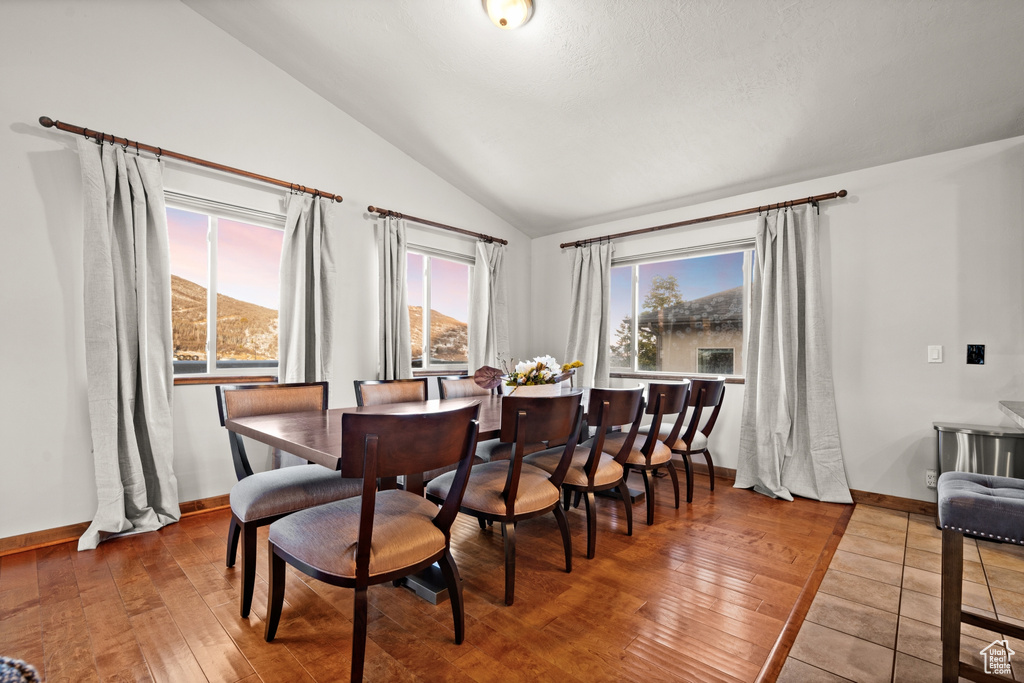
x=248, y=256
x=449, y=286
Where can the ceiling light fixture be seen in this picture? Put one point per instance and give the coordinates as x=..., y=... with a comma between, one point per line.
x=509, y=14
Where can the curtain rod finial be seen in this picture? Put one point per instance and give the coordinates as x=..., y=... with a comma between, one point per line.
x=371, y=209
x=841, y=193
x=46, y=122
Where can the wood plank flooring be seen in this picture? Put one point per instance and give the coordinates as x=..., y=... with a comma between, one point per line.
x=703, y=595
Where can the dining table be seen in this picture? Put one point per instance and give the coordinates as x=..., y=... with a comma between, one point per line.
x=315, y=436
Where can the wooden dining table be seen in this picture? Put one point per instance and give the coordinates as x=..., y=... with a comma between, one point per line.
x=315, y=435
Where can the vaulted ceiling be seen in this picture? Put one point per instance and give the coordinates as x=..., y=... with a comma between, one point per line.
x=605, y=109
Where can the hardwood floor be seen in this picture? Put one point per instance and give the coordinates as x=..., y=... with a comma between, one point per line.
x=703, y=595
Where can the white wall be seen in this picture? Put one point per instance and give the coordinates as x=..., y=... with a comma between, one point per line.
x=157, y=72
x=926, y=251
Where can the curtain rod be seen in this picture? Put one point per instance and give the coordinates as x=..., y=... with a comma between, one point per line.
x=47, y=122
x=705, y=219
x=395, y=214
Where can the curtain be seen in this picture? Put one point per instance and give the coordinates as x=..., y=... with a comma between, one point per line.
x=589, y=302
x=306, y=316
x=395, y=356
x=488, y=308
x=128, y=345
x=789, y=434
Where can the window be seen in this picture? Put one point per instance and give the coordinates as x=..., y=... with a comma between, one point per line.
x=715, y=361
x=225, y=266
x=438, y=311
x=680, y=316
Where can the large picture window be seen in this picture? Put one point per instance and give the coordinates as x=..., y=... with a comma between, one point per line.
x=684, y=315
x=227, y=270
x=438, y=311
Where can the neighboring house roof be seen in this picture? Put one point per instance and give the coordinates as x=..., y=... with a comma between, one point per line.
x=724, y=306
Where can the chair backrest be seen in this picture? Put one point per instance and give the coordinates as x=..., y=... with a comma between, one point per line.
x=460, y=386
x=390, y=445
x=532, y=419
x=665, y=399
x=705, y=394
x=246, y=400
x=375, y=392
x=607, y=408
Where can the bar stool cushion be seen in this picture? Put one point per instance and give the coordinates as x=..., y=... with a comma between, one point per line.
x=608, y=471
x=613, y=442
x=278, y=492
x=324, y=537
x=487, y=481
x=982, y=505
x=700, y=442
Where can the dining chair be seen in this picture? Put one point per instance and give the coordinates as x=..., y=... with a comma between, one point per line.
x=591, y=469
x=648, y=455
x=375, y=392
x=507, y=492
x=260, y=498
x=381, y=536
x=461, y=386
x=705, y=395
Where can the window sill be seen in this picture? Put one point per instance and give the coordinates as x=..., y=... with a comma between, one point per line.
x=223, y=379
x=440, y=373
x=672, y=377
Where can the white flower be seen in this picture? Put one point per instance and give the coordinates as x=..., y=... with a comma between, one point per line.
x=550, y=362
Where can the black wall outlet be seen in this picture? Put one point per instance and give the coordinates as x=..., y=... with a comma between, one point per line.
x=975, y=354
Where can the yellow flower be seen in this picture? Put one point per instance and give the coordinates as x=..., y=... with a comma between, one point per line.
x=570, y=366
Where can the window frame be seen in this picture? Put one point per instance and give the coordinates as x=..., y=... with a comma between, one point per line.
x=744, y=246
x=428, y=253
x=217, y=210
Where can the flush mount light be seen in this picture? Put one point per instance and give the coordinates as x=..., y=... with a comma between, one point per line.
x=509, y=14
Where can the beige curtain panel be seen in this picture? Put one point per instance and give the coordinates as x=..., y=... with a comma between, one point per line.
x=308, y=277
x=589, y=304
x=395, y=354
x=789, y=434
x=488, y=308
x=128, y=344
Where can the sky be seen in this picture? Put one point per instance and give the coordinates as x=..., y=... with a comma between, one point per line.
x=698, y=276
x=248, y=256
x=449, y=286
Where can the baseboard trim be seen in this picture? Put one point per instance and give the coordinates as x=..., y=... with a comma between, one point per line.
x=919, y=507
x=47, y=537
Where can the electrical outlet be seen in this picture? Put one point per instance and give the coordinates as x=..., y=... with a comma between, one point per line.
x=931, y=478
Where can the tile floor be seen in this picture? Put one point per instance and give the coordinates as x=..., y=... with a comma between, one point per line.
x=876, y=614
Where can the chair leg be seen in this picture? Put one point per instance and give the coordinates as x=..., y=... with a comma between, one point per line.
x=577, y=498
x=711, y=467
x=276, y=599
x=689, y=476
x=483, y=523
x=248, y=567
x=358, y=634
x=508, y=533
x=952, y=594
x=591, y=524
x=675, y=483
x=233, y=533
x=627, y=502
x=566, y=498
x=649, y=490
x=454, y=582
x=563, y=526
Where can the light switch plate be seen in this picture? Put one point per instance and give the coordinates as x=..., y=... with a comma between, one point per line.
x=934, y=354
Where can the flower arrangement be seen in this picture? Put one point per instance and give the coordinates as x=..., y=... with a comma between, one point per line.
x=540, y=370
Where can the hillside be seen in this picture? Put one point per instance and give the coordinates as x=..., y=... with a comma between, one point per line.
x=450, y=336
x=245, y=331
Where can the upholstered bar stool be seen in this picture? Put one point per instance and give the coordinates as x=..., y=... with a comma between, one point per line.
x=986, y=507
